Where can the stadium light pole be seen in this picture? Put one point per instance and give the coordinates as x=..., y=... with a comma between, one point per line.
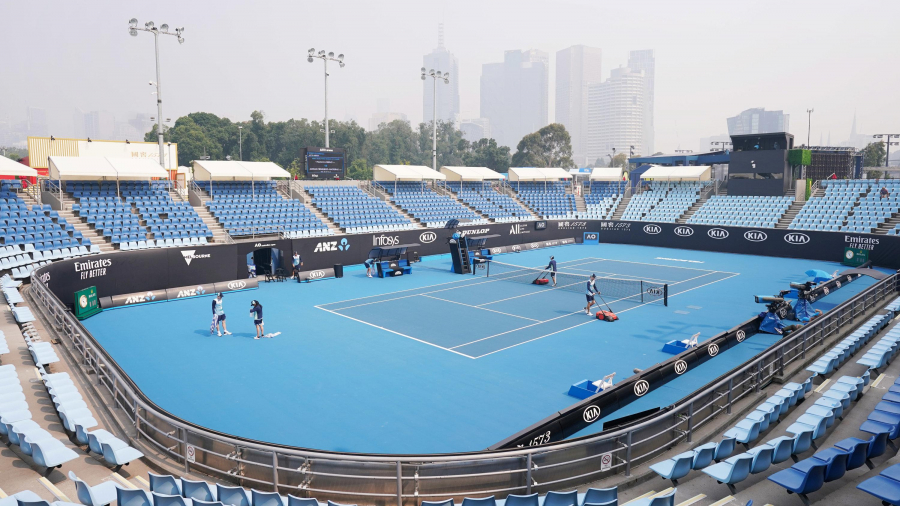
x=150, y=27
x=325, y=58
x=808, y=125
x=241, y=142
x=886, y=139
x=435, y=76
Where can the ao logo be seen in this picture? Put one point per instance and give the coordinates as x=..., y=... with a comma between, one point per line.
x=825, y=290
x=713, y=350
x=316, y=275
x=591, y=236
x=591, y=414
x=680, y=367
x=796, y=238
x=641, y=388
x=427, y=237
x=684, y=231
x=717, y=233
x=652, y=229
x=236, y=285
x=741, y=335
x=755, y=236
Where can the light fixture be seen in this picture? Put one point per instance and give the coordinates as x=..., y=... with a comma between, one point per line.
x=331, y=54
x=133, y=22
x=322, y=53
x=89, y=139
x=149, y=25
x=164, y=28
x=341, y=57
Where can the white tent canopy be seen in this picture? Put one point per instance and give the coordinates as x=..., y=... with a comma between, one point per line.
x=405, y=173
x=538, y=174
x=220, y=170
x=606, y=174
x=137, y=168
x=10, y=167
x=680, y=172
x=264, y=170
x=71, y=168
x=469, y=174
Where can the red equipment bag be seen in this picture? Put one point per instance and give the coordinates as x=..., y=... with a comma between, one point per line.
x=541, y=281
x=608, y=316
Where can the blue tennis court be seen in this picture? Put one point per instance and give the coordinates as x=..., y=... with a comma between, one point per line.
x=436, y=362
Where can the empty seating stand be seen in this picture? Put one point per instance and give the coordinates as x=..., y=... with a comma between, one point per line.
x=425, y=205
x=664, y=201
x=849, y=205
x=486, y=200
x=355, y=211
x=256, y=208
x=755, y=212
x=600, y=200
x=549, y=199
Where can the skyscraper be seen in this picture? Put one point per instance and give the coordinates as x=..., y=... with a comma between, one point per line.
x=475, y=129
x=615, y=114
x=514, y=95
x=447, y=94
x=644, y=61
x=758, y=121
x=577, y=67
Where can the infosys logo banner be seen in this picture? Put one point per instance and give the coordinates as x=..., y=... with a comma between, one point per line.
x=385, y=240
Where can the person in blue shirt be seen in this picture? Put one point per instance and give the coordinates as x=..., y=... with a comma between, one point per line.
x=590, y=290
x=297, y=262
x=370, y=267
x=552, y=267
x=256, y=313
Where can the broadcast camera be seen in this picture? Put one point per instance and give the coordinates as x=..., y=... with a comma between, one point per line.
x=773, y=303
x=803, y=289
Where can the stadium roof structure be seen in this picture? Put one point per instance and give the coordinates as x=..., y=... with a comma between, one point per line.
x=405, y=173
x=712, y=157
x=9, y=167
x=470, y=173
x=681, y=172
x=606, y=174
x=81, y=168
x=538, y=174
x=231, y=170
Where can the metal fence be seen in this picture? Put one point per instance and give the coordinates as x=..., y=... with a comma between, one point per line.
x=405, y=480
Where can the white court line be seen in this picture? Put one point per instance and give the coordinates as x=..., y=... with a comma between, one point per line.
x=662, y=265
x=398, y=333
x=482, y=308
x=486, y=280
x=580, y=324
x=615, y=275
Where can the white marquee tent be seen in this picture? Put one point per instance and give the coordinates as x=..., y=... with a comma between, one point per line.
x=405, y=173
x=538, y=174
x=678, y=173
x=231, y=170
x=10, y=167
x=99, y=168
x=606, y=174
x=470, y=174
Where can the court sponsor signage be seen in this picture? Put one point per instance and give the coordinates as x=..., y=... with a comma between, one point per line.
x=684, y=231
x=796, y=238
x=681, y=367
x=186, y=292
x=518, y=229
x=131, y=299
x=641, y=388
x=717, y=233
x=713, y=349
x=332, y=246
x=264, y=245
x=427, y=237
x=474, y=231
x=190, y=255
x=571, y=225
x=90, y=269
x=615, y=226
x=591, y=414
x=591, y=238
x=861, y=242
x=540, y=225
x=741, y=335
x=316, y=274
x=385, y=240
x=652, y=229
x=755, y=236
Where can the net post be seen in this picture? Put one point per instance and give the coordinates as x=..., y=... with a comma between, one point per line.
x=642, y=292
x=666, y=294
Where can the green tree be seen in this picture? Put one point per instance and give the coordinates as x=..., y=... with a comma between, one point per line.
x=451, y=146
x=359, y=170
x=620, y=160
x=550, y=146
x=393, y=143
x=486, y=153
x=873, y=154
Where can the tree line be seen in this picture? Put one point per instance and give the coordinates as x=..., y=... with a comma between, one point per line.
x=202, y=134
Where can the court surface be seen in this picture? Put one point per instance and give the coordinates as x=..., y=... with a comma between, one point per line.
x=436, y=362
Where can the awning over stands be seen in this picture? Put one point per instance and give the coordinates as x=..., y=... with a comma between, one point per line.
x=470, y=174
x=230, y=170
x=606, y=174
x=405, y=173
x=538, y=174
x=688, y=172
x=92, y=168
x=9, y=167
x=137, y=168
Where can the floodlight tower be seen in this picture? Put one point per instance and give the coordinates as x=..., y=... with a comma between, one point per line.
x=325, y=58
x=150, y=27
x=435, y=76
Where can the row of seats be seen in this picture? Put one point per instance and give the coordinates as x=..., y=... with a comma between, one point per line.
x=489, y=202
x=355, y=211
x=423, y=204
x=841, y=352
x=238, y=188
x=245, y=208
x=598, y=206
x=756, y=212
x=604, y=188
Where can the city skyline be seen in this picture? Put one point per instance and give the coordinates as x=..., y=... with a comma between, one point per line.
x=97, y=67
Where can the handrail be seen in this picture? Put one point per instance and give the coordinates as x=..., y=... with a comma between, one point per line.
x=370, y=476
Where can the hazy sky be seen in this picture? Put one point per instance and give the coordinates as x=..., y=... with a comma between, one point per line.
x=713, y=58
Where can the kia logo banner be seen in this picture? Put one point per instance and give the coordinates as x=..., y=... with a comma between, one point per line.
x=796, y=238
x=681, y=367
x=427, y=237
x=641, y=388
x=717, y=233
x=755, y=236
x=684, y=231
x=591, y=414
x=652, y=229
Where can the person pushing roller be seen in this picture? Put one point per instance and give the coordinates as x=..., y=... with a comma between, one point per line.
x=552, y=267
x=590, y=291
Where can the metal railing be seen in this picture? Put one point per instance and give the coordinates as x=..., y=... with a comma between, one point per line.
x=405, y=480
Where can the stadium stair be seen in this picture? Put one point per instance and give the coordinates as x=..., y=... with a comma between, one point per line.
x=579, y=203
x=691, y=210
x=889, y=225
x=790, y=214
x=623, y=205
x=378, y=193
x=87, y=231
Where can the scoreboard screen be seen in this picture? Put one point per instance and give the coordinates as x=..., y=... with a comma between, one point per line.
x=324, y=163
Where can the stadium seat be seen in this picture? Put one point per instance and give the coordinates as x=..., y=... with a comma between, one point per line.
x=308, y=501
x=120, y=454
x=521, y=500
x=885, y=486
x=675, y=468
x=481, y=501
x=561, y=498
x=197, y=490
x=168, y=500
x=601, y=496
x=164, y=484
x=98, y=495
x=802, y=479
x=259, y=498
x=232, y=496
x=133, y=497
x=733, y=470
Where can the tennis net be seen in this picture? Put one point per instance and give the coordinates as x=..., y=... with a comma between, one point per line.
x=611, y=289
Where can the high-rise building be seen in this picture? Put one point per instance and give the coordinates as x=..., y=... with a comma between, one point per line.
x=615, y=115
x=36, y=125
x=475, y=129
x=385, y=117
x=99, y=125
x=447, y=94
x=758, y=121
x=577, y=67
x=644, y=61
x=514, y=95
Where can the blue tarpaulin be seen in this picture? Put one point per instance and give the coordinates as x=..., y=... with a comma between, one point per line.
x=770, y=324
x=803, y=310
x=818, y=275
